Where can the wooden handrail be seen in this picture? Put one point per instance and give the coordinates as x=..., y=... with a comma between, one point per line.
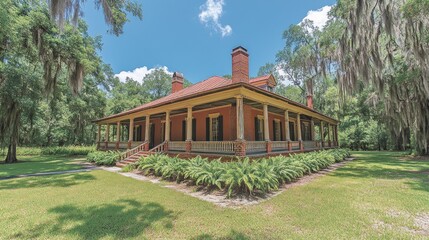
x=132, y=151
x=159, y=148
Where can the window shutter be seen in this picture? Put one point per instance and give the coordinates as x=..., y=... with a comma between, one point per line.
x=303, y=132
x=194, y=129
x=256, y=129
x=207, y=129
x=184, y=130
x=281, y=132
x=274, y=131
x=220, y=128
x=292, y=131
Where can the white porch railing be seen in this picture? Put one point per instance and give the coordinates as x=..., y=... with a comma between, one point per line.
x=158, y=149
x=256, y=147
x=177, y=146
x=279, y=146
x=295, y=145
x=133, y=151
x=220, y=147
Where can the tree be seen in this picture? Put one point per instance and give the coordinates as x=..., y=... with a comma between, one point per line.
x=385, y=44
x=32, y=48
x=115, y=12
x=305, y=57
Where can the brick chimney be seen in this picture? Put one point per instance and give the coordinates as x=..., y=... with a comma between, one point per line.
x=240, y=65
x=310, y=101
x=176, y=82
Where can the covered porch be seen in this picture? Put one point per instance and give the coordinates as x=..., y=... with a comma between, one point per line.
x=236, y=125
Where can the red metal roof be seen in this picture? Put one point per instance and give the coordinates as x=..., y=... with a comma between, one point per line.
x=259, y=78
x=210, y=84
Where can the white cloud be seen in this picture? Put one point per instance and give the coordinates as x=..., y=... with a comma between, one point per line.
x=210, y=14
x=319, y=16
x=139, y=73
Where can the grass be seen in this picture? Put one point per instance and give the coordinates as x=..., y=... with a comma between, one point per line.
x=36, y=164
x=377, y=196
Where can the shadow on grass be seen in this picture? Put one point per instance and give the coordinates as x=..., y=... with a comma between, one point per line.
x=37, y=164
x=120, y=220
x=388, y=165
x=233, y=235
x=64, y=180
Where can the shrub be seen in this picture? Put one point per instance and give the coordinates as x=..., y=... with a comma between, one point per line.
x=205, y=173
x=68, y=150
x=23, y=151
x=108, y=158
x=242, y=176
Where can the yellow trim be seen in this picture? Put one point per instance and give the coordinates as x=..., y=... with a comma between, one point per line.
x=218, y=96
x=214, y=115
x=259, y=97
x=203, y=110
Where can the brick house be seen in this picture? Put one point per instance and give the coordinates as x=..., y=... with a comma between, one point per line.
x=220, y=117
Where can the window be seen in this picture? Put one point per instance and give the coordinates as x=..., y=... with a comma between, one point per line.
x=292, y=131
x=267, y=87
x=306, y=131
x=259, y=128
x=137, y=133
x=163, y=131
x=214, y=127
x=277, y=130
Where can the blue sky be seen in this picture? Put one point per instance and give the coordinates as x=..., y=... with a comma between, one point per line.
x=196, y=37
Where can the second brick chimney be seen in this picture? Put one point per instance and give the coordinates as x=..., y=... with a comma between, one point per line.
x=240, y=65
x=310, y=101
x=176, y=82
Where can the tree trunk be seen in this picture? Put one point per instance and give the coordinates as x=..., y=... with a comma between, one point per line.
x=11, y=153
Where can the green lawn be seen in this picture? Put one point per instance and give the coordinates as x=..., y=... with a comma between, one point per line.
x=35, y=164
x=376, y=196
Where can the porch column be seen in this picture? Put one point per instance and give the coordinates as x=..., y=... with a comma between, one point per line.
x=287, y=131
x=131, y=133
x=298, y=129
x=266, y=128
x=189, y=130
x=107, y=135
x=240, y=145
x=146, y=132
x=118, y=134
x=167, y=126
x=98, y=136
x=322, y=133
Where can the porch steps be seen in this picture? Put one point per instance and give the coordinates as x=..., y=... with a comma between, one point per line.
x=132, y=159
